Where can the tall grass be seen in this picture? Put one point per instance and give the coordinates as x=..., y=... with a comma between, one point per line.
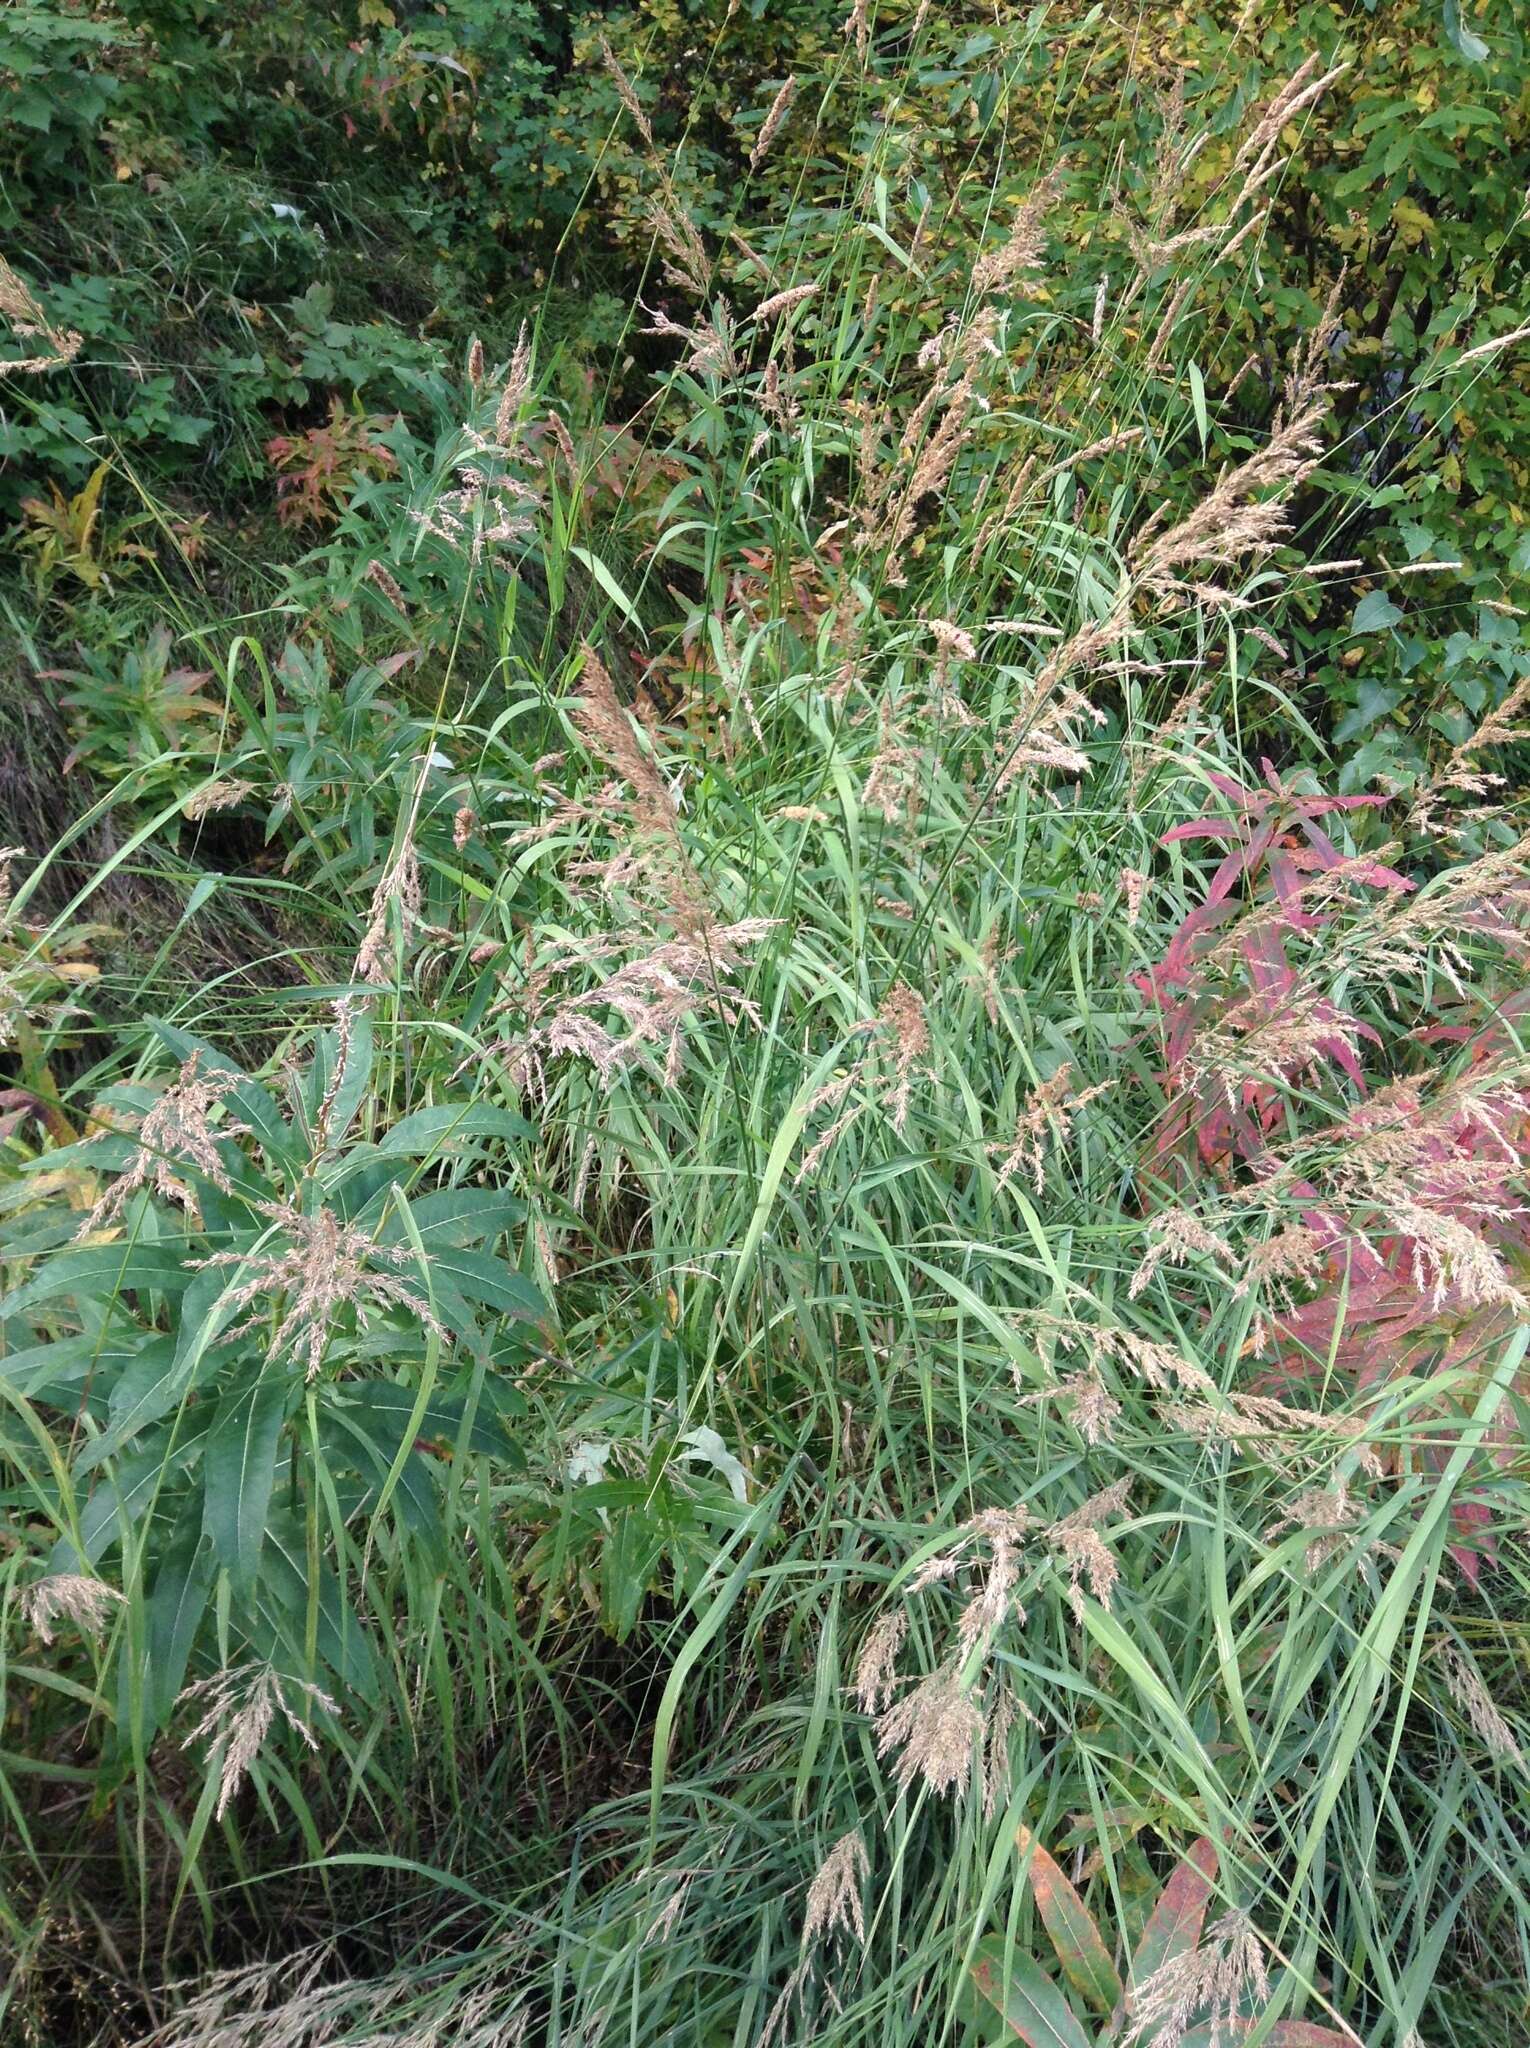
x=818, y=886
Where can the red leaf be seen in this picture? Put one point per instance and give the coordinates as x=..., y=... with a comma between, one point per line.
x=1179, y=1912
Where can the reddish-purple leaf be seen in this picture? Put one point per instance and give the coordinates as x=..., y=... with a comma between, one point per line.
x=1284, y=2034
x=1201, y=828
x=1292, y=2034
x=1179, y=1912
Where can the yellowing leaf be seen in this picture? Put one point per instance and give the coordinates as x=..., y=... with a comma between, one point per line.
x=1413, y=224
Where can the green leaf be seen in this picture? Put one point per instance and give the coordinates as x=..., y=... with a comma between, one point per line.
x=126, y=1492
x=148, y=1387
x=1079, y=1944
x=452, y=1123
x=456, y=1216
x=280, y=1602
x=1470, y=45
x=174, y=1610
x=1027, y=2000
x=609, y=585
x=247, y=1102
x=1303, y=2034
x=383, y=1408
x=337, y=1079
x=489, y=1281
x=76, y=1372
x=1372, y=701
x=1374, y=613
x=1283, y=2034
x=414, y=1493
x=99, y=1273
x=239, y=1471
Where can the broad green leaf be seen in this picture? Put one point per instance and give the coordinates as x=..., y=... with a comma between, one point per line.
x=149, y=1385
x=246, y=1101
x=338, y=1076
x=239, y=1471
x=455, y=1216
x=1282, y=2034
x=77, y=1372
x=175, y=1608
x=489, y=1281
x=382, y=1409
x=124, y=1492
x=1466, y=40
x=100, y=1273
x=449, y=1124
x=280, y=1601
x=1374, y=613
x=414, y=1493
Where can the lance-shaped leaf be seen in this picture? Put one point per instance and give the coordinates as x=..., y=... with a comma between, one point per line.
x=449, y=1125
x=1174, y=1925
x=182, y=1587
x=239, y=1471
x=1030, y=2004
x=1283, y=2034
x=1079, y=1944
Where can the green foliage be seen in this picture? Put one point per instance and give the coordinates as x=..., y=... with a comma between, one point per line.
x=136, y=715
x=273, y=1353
x=1411, y=176
x=762, y=1215
x=58, y=84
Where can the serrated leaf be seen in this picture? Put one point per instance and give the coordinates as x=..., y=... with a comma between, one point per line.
x=126, y=1492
